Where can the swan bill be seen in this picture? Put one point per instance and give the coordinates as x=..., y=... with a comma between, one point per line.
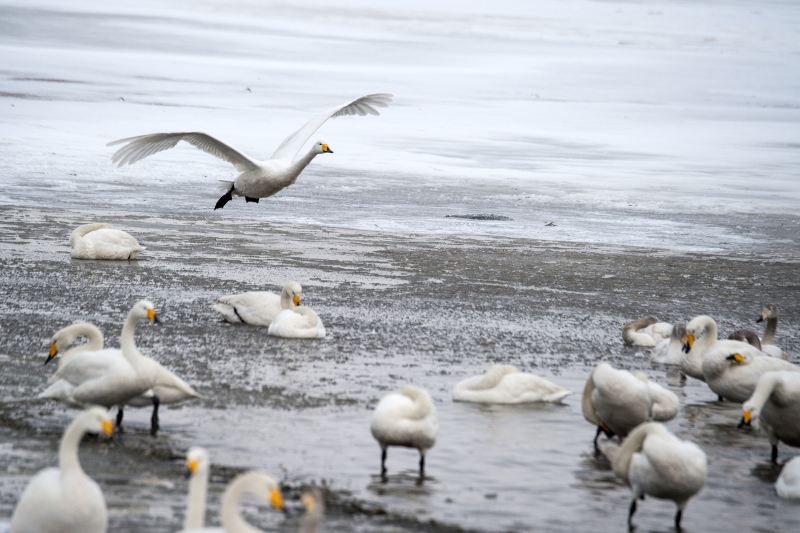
x=191, y=467
x=276, y=499
x=688, y=342
x=326, y=149
x=736, y=357
x=152, y=316
x=107, y=427
x=52, y=353
x=296, y=299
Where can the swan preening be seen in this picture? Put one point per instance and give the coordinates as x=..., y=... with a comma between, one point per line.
x=788, y=484
x=117, y=377
x=775, y=404
x=101, y=241
x=670, y=351
x=654, y=462
x=730, y=368
x=258, y=308
x=65, y=499
x=505, y=384
x=646, y=332
x=405, y=418
x=616, y=401
x=257, y=179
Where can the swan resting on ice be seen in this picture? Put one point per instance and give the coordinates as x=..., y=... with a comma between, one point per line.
x=65, y=499
x=405, y=418
x=257, y=179
x=646, y=332
x=505, y=384
x=101, y=241
x=259, y=308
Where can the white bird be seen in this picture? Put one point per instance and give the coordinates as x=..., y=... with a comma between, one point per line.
x=670, y=351
x=775, y=403
x=788, y=484
x=646, y=332
x=198, y=467
x=257, y=179
x=254, y=483
x=297, y=323
x=505, y=384
x=258, y=308
x=314, y=503
x=405, y=418
x=101, y=241
x=67, y=336
x=731, y=368
x=65, y=499
x=616, y=401
x=119, y=377
x=654, y=462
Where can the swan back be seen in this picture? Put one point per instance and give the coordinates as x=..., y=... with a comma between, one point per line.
x=619, y=400
x=632, y=336
x=405, y=418
x=100, y=241
x=505, y=384
x=298, y=323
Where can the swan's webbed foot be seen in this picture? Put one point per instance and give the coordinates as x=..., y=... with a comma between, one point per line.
x=224, y=199
x=774, y=455
x=383, y=465
x=248, y=199
x=154, y=427
x=118, y=424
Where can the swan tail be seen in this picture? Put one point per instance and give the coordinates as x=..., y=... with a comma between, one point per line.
x=225, y=185
x=556, y=397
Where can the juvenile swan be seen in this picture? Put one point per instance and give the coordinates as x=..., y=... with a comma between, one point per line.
x=197, y=467
x=654, y=462
x=406, y=418
x=101, y=241
x=775, y=403
x=258, y=308
x=617, y=401
x=254, y=483
x=505, y=384
x=257, y=179
x=770, y=313
x=670, y=351
x=646, y=332
x=788, y=484
x=65, y=499
x=314, y=503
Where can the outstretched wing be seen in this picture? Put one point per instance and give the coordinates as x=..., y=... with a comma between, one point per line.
x=145, y=145
x=360, y=106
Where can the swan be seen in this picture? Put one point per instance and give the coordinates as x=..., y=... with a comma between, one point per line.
x=258, y=308
x=101, y=241
x=747, y=335
x=788, y=484
x=670, y=351
x=314, y=504
x=118, y=377
x=506, y=384
x=67, y=336
x=616, y=401
x=654, y=462
x=646, y=332
x=775, y=403
x=297, y=323
x=65, y=499
x=255, y=483
x=257, y=179
x=767, y=343
x=731, y=368
x=197, y=467
x=405, y=418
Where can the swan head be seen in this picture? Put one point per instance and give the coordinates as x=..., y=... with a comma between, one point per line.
x=767, y=312
x=196, y=461
x=144, y=310
x=694, y=329
x=60, y=341
x=96, y=420
x=750, y=412
x=321, y=147
x=291, y=295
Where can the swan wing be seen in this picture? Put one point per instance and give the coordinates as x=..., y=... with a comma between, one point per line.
x=90, y=365
x=364, y=105
x=256, y=308
x=142, y=146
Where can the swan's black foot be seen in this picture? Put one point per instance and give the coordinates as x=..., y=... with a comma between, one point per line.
x=224, y=199
x=631, y=511
x=383, y=465
x=154, y=427
x=247, y=199
x=421, y=466
x=118, y=425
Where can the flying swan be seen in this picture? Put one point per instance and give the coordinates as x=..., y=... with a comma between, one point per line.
x=505, y=384
x=257, y=179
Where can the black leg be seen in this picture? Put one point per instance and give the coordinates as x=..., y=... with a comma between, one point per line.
x=678, y=517
x=383, y=464
x=248, y=199
x=597, y=436
x=118, y=425
x=421, y=465
x=154, y=419
x=630, y=512
x=720, y=398
x=224, y=199
x=774, y=457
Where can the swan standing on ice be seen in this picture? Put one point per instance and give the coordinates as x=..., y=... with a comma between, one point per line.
x=654, y=462
x=616, y=401
x=775, y=403
x=197, y=467
x=505, y=384
x=646, y=332
x=259, y=308
x=788, y=484
x=406, y=418
x=254, y=483
x=65, y=499
x=731, y=368
x=257, y=179
x=101, y=241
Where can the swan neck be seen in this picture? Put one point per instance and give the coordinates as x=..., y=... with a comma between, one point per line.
x=286, y=300
x=632, y=444
x=196, y=504
x=68, y=461
x=762, y=392
x=230, y=513
x=127, y=342
x=769, y=331
x=303, y=161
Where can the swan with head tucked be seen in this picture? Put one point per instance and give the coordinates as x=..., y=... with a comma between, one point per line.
x=731, y=368
x=254, y=483
x=654, y=462
x=505, y=384
x=198, y=467
x=101, y=241
x=670, y=351
x=257, y=179
x=646, y=332
x=775, y=404
x=405, y=418
x=258, y=308
x=616, y=401
x=788, y=484
x=297, y=322
x=65, y=499
x=119, y=377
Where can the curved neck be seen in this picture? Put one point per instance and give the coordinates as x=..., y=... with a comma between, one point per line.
x=127, y=342
x=232, y=521
x=766, y=384
x=94, y=341
x=286, y=300
x=302, y=162
x=621, y=461
x=196, y=504
x=709, y=337
x=769, y=331
x=68, y=462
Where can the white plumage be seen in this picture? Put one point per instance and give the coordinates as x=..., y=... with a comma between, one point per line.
x=101, y=241
x=670, y=351
x=259, y=308
x=198, y=467
x=646, y=332
x=297, y=323
x=788, y=484
x=775, y=404
x=505, y=384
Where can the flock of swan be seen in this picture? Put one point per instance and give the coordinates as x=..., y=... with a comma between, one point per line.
x=648, y=457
